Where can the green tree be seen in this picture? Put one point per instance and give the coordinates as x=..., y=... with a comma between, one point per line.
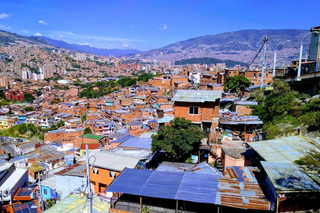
x=28, y=97
x=179, y=139
x=127, y=81
x=28, y=109
x=60, y=124
x=84, y=118
x=278, y=104
x=237, y=84
x=145, y=77
x=87, y=131
x=38, y=92
x=311, y=161
x=22, y=128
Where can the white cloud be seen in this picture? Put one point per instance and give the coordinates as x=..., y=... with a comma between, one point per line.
x=4, y=15
x=94, y=41
x=65, y=33
x=37, y=34
x=42, y=22
x=25, y=31
x=4, y=27
x=125, y=44
x=164, y=27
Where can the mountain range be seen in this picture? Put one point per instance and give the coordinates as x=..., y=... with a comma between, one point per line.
x=7, y=38
x=88, y=49
x=239, y=46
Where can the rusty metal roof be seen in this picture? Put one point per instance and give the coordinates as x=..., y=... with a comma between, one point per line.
x=240, y=189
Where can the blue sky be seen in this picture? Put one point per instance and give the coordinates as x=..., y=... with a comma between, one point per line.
x=149, y=24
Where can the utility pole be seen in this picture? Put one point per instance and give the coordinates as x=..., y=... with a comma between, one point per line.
x=274, y=65
x=89, y=192
x=40, y=194
x=265, y=40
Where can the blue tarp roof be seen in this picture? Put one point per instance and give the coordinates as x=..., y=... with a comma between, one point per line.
x=191, y=187
x=133, y=142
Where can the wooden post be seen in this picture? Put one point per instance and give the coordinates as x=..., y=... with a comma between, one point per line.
x=140, y=204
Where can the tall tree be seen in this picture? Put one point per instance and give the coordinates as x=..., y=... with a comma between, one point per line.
x=87, y=130
x=278, y=104
x=237, y=84
x=179, y=139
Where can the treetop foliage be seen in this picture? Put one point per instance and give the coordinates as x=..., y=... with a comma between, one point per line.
x=179, y=139
x=236, y=84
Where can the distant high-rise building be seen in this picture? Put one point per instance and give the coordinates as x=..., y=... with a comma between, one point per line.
x=47, y=70
x=26, y=74
x=40, y=76
x=81, y=56
x=4, y=81
x=34, y=76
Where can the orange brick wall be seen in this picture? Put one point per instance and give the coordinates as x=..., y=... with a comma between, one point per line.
x=206, y=111
x=243, y=110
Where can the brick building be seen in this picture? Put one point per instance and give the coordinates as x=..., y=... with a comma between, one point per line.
x=200, y=106
x=243, y=107
x=14, y=95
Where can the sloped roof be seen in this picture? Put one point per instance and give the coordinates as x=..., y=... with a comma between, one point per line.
x=74, y=203
x=167, y=185
x=35, y=168
x=142, y=143
x=286, y=149
x=210, y=188
x=91, y=136
x=116, y=159
x=288, y=177
x=196, y=96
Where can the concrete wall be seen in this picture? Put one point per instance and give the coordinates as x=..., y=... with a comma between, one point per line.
x=68, y=184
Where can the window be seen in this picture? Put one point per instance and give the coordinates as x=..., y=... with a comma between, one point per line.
x=112, y=174
x=95, y=170
x=193, y=110
x=259, y=74
x=45, y=191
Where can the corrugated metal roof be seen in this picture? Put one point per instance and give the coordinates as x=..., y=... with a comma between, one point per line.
x=288, y=177
x=244, y=193
x=287, y=149
x=246, y=103
x=165, y=119
x=201, y=168
x=141, y=143
x=78, y=203
x=167, y=185
x=123, y=139
x=91, y=136
x=50, y=182
x=197, y=96
x=117, y=159
x=240, y=189
x=36, y=168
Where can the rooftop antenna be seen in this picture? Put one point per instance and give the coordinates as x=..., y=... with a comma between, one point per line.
x=89, y=192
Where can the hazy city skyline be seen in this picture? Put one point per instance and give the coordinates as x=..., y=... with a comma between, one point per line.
x=146, y=25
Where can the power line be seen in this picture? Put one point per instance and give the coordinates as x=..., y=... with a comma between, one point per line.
x=264, y=42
